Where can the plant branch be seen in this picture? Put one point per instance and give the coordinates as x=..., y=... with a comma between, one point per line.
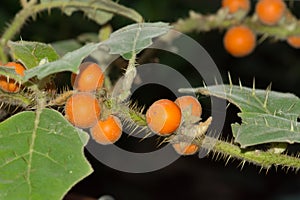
x=264, y=159
x=197, y=22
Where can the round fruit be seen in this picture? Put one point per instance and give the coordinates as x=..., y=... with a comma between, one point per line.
x=163, y=117
x=239, y=41
x=82, y=110
x=269, y=12
x=294, y=41
x=8, y=84
x=235, y=5
x=108, y=131
x=183, y=148
x=189, y=104
x=90, y=77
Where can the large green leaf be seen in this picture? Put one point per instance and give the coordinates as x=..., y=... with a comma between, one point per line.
x=69, y=62
x=267, y=116
x=100, y=11
x=40, y=158
x=135, y=37
x=31, y=54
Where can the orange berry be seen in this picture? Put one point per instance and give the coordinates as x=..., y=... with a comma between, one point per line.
x=108, y=131
x=163, y=117
x=10, y=85
x=294, y=41
x=269, y=12
x=239, y=41
x=90, y=77
x=183, y=148
x=235, y=5
x=189, y=104
x=82, y=110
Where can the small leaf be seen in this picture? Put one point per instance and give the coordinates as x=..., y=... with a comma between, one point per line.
x=69, y=62
x=30, y=54
x=135, y=37
x=43, y=161
x=267, y=116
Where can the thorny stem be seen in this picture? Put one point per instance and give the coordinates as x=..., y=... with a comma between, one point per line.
x=33, y=9
x=228, y=150
x=15, y=99
x=264, y=159
x=197, y=22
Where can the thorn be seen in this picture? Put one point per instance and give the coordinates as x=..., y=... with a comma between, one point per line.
x=204, y=84
x=292, y=126
x=227, y=160
x=216, y=81
x=253, y=87
x=291, y=107
x=229, y=79
x=228, y=105
x=267, y=95
x=267, y=124
x=145, y=137
x=240, y=84
x=267, y=170
x=243, y=164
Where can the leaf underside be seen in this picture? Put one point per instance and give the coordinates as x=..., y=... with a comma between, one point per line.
x=43, y=161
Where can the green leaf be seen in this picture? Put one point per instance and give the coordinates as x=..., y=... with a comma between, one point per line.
x=43, y=161
x=101, y=11
x=267, y=116
x=31, y=54
x=135, y=37
x=69, y=62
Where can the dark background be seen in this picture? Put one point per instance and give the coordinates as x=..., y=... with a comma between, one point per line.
x=189, y=177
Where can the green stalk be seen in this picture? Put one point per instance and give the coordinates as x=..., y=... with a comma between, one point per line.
x=197, y=22
x=264, y=159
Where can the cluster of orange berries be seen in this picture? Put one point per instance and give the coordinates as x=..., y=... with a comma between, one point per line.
x=8, y=84
x=83, y=109
x=240, y=40
x=164, y=117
